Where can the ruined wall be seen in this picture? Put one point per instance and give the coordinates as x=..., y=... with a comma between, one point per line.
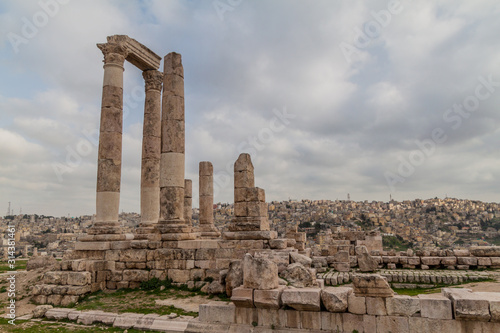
x=192, y=262
x=315, y=310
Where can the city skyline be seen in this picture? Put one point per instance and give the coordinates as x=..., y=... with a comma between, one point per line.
x=368, y=99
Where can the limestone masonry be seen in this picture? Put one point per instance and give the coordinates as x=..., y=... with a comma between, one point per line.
x=276, y=284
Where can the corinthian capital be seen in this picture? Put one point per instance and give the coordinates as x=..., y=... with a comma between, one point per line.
x=153, y=79
x=114, y=53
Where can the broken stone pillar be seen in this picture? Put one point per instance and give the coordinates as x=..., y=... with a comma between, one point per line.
x=250, y=207
x=110, y=140
x=35, y=252
x=188, y=202
x=151, y=151
x=207, y=228
x=172, y=224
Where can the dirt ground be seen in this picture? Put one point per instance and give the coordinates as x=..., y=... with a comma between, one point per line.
x=24, y=281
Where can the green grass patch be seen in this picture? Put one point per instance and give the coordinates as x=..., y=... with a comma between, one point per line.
x=20, y=265
x=139, y=301
x=416, y=291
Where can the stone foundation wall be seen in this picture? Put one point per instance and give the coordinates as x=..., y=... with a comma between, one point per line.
x=191, y=262
x=304, y=310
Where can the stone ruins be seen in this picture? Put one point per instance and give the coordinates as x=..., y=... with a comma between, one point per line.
x=275, y=284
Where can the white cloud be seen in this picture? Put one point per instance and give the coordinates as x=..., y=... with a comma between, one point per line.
x=351, y=121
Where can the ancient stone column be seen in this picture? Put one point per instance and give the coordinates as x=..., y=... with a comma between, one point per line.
x=172, y=224
x=110, y=141
x=188, y=202
x=151, y=151
x=207, y=228
x=250, y=207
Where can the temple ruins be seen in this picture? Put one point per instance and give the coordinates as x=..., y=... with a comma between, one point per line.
x=274, y=281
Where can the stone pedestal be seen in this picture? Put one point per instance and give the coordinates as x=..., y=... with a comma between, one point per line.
x=151, y=151
x=172, y=224
x=207, y=228
x=250, y=207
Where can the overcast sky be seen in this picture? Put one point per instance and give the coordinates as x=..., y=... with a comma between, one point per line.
x=369, y=98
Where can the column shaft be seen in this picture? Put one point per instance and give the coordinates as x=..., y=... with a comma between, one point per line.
x=172, y=223
x=151, y=149
x=110, y=141
x=206, y=192
x=188, y=202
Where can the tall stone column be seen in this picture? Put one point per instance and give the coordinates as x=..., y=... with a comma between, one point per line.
x=110, y=141
x=151, y=151
x=172, y=224
x=207, y=228
x=188, y=202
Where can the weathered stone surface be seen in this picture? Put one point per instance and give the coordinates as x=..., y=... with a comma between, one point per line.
x=356, y=305
x=335, y=298
x=127, y=320
x=449, y=261
x=278, y=244
x=392, y=324
x=89, y=246
x=145, y=323
x=57, y=313
x=485, y=251
x=298, y=276
x=468, y=305
x=418, y=324
x=352, y=323
x=301, y=259
x=430, y=261
x=89, y=317
x=302, y=299
x=259, y=273
x=166, y=324
x=39, y=262
x=135, y=275
x=40, y=310
x=494, y=300
x=310, y=320
x=250, y=235
x=372, y=285
x=435, y=306
x=402, y=305
x=268, y=299
x=243, y=297
x=234, y=277
x=376, y=306
x=215, y=287
x=366, y=262
x=342, y=266
x=69, y=300
x=331, y=322
x=461, y=252
x=79, y=278
x=217, y=312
